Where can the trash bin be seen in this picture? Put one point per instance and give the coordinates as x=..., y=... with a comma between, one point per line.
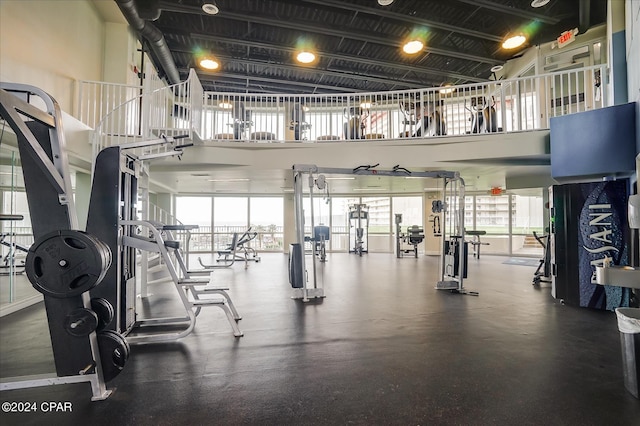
x=629, y=326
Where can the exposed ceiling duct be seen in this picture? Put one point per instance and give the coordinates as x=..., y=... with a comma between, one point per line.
x=154, y=38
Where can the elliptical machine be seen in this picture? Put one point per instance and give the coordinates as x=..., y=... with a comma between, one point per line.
x=355, y=125
x=543, y=272
x=483, y=115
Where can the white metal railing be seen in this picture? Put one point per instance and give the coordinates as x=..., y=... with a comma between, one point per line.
x=512, y=105
x=170, y=111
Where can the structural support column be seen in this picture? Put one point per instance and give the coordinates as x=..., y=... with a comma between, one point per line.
x=616, y=37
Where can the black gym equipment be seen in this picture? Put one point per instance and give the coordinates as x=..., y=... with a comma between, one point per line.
x=355, y=125
x=9, y=263
x=432, y=122
x=413, y=237
x=298, y=121
x=483, y=115
x=64, y=262
x=543, y=271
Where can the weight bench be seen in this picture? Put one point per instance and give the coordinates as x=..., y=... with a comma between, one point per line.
x=230, y=254
x=152, y=240
x=476, y=242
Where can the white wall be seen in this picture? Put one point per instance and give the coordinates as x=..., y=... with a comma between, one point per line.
x=53, y=43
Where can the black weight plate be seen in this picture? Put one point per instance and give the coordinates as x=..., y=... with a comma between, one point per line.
x=81, y=322
x=66, y=263
x=114, y=352
x=105, y=312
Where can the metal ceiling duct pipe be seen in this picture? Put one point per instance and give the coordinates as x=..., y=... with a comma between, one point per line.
x=584, y=16
x=153, y=36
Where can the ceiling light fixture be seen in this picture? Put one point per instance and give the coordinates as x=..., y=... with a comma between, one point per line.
x=225, y=105
x=229, y=180
x=514, y=41
x=539, y=3
x=209, y=64
x=385, y=2
x=210, y=9
x=497, y=68
x=412, y=47
x=306, y=57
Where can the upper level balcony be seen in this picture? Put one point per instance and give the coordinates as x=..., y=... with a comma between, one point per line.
x=426, y=128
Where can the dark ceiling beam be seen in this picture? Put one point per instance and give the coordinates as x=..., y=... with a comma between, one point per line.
x=329, y=55
x=324, y=30
x=209, y=76
x=339, y=74
x=406, y=18
x=497, y=7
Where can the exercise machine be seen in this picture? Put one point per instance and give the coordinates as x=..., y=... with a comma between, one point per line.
x=10, y=263
x=454, y=261
x=63, y=263
x=355, y=125
x=298, y=121
x=410, y=118
x=321, y=235
x=241, y=120
x=543, y=271
x=476, y=241
x=483, y=115
x=306, y=286
x=432, y=123
x=239, y=244
x=408, y=242
x=358, y=228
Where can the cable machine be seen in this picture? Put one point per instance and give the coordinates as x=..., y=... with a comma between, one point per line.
x=358, y=228
x=453, y=262
x=306, y=286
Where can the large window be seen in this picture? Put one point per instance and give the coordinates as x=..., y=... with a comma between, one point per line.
x=230, y=215
x=196, y=211
x=267, y=219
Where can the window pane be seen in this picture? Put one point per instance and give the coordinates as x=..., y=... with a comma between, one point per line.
x=229, y=215
x=340, y=222
x=196, y=211
x=411, y=210
x=267, y=219
x=379, y=214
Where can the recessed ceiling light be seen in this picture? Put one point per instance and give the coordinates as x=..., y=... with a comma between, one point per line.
x=225, y=105
x=412, y=47
x=229, y=180
x=209, y=64
x=514, y=41
x=539, y=3
x=210, y=9
x=306, y=57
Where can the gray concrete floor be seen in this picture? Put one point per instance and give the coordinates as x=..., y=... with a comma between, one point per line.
x=384, y=347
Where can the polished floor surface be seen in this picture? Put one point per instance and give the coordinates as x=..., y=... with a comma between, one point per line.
x=383, y=348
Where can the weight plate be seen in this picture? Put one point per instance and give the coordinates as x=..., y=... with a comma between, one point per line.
x=81, y=322
x=114, y=352
x=67, y=263
x=105, y=312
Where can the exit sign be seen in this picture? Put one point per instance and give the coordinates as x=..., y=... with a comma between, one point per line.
x=567, y=37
